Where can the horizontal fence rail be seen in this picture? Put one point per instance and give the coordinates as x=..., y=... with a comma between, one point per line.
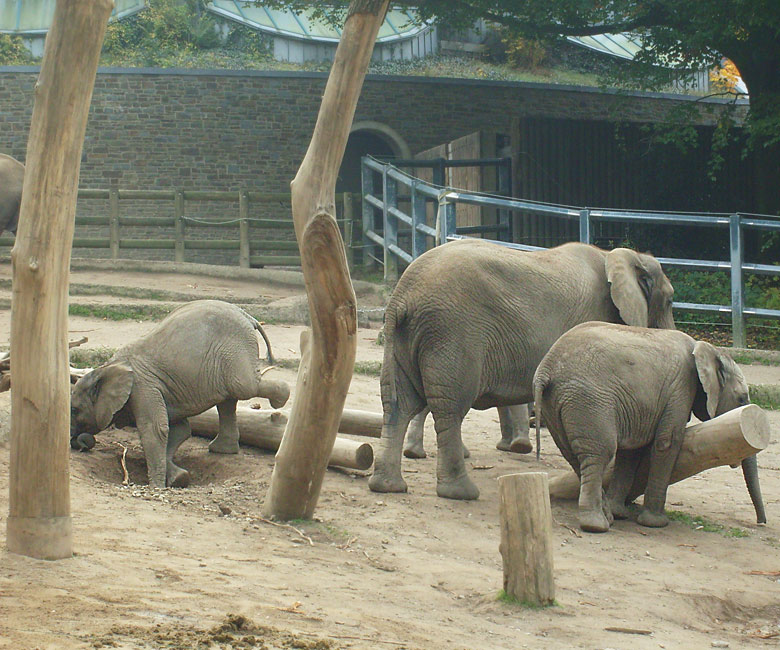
x=446, y=199
x=252, y=249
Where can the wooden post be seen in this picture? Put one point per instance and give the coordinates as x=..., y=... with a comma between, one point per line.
x=725, y=440
x=39, y=522
x=113, y=211
x=526, y=537
x=328, y=358
x=178, y=208
x=264, y=429
x=243, y=230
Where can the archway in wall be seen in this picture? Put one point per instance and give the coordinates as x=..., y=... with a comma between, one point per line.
x=367, y=138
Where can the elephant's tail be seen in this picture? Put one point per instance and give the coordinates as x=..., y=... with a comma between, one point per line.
x=540, y=383
x=256, y=325
x=395, y=314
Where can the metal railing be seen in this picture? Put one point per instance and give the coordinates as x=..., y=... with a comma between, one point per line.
x=446, y=229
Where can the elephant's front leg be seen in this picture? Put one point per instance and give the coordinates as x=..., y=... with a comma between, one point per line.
x=626, y=463
x=663, y=456
x=151, y=417
x=413, y=445
x=178, y=432
x=452, y=481
x=226, y=441
x=514, y=429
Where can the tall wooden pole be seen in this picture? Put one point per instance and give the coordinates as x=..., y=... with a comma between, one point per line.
x=328, y=354
x=39, y=523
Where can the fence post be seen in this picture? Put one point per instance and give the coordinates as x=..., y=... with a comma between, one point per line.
x=505, y=189
x=178, y=210
x=446, y=218
x=419, y=239
x=585, y=235
x=737, y=282
x=348, y=216
x=367, y=185
x=438, y=172
x=113, y=212
x=390, y=235
x=243, y=230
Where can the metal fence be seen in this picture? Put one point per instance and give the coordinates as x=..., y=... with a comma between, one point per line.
x=423, y=235
x=252, y=250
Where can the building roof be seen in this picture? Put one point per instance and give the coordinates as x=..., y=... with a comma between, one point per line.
x=35, y=16
x=397, y=25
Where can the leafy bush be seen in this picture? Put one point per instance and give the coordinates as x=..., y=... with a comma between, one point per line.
x=13, y=51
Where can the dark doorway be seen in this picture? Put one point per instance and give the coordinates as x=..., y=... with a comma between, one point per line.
x=360, y=143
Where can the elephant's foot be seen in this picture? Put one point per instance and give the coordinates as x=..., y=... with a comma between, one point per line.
x=520, y=445
x=380, y=482
x=503, y=444
x=462, y=489
x=414, y=449
x=619, y=510
x=593, y=521
x=652, y=519
x=222, y=445
x=466, y=452
x=178, y=477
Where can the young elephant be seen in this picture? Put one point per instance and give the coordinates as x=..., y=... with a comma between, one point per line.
x=610, y=390
x=203, y=353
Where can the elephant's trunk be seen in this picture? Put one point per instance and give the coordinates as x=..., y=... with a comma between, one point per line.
x=750, y=472
x=277, y=392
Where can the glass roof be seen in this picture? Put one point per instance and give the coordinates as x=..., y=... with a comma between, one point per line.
x=35, y=16
x=398, y=24
x=621, y=45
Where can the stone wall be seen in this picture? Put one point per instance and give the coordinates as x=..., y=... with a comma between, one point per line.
x=226, y=130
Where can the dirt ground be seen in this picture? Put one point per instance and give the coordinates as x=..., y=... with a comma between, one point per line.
x=200, y=568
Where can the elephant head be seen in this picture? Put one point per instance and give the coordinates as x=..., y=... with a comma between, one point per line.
x=639, y=289
x=98, y=396
x=723, y=388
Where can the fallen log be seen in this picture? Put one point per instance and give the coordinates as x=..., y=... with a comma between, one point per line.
x=264, y=429
x=725, y=440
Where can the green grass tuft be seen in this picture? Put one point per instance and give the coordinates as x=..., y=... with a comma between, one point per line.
x=700, y=523
x=510, y=600
x=371, y=368
x=123, y=312
x=767, y=396
x=90, y=357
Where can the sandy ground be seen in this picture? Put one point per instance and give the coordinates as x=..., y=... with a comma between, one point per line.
x=200, y=568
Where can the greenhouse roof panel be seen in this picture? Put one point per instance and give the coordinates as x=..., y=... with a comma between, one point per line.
x=624, y=46
x=35, y=16
x=397, y=24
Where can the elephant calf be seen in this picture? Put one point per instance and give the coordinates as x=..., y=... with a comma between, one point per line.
x=611, y=391
x=204, y=353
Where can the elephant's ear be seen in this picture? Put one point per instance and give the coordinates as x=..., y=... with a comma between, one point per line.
x=629, y=285
x=112, y=387
x=708, y=367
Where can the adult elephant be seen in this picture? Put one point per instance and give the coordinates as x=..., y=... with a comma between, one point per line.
x=11, y=180
x=469, y=322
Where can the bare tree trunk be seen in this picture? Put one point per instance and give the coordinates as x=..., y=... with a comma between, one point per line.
x=327, y=359
x=39, y=523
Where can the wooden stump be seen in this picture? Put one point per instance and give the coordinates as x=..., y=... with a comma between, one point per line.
x=39, y=522
x=725, y=440
x=265, y=430
x=526, y=537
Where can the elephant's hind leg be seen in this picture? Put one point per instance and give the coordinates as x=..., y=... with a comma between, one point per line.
x=387, y=461
x=176, y=476
x=514, y=429
x=626, y=463
x=593, y=455
x=452, y=481
x=226, y=441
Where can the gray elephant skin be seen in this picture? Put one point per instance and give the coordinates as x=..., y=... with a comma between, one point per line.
x=611, y=391
x=202, y=354
x=11, y=181
x=469, y=322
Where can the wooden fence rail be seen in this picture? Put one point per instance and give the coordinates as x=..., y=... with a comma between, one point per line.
x=252, y=251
